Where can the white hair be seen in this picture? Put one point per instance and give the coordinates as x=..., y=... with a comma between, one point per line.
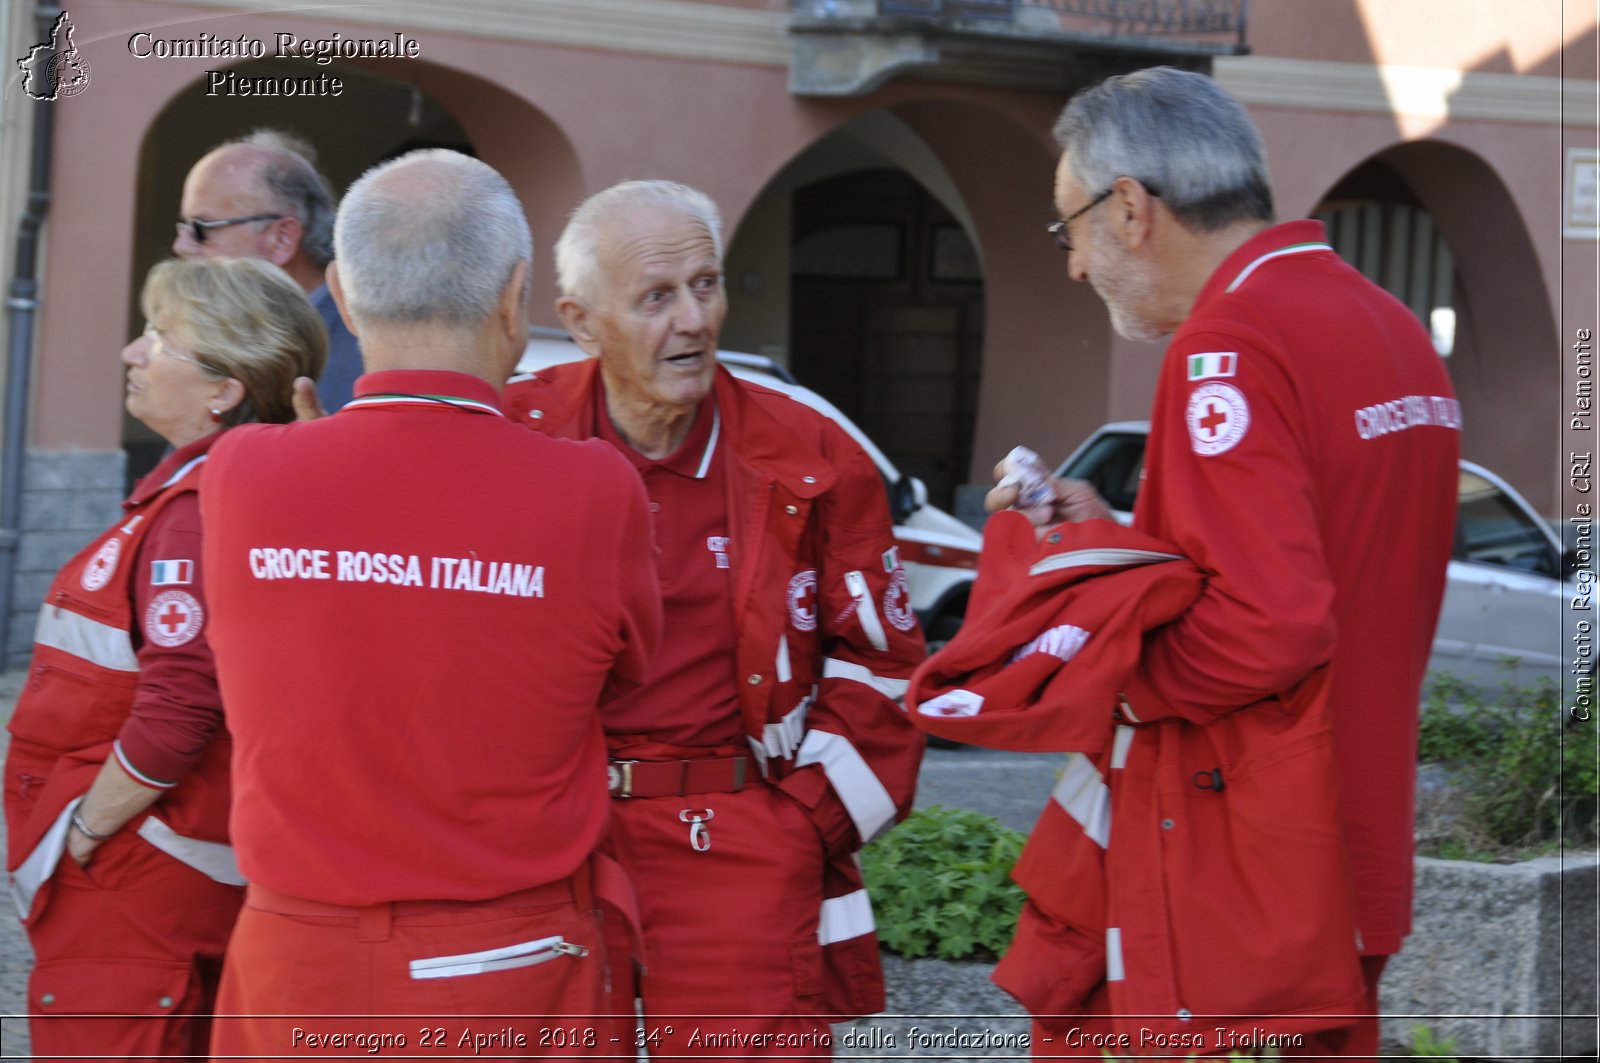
x=435, y=247
x=577, y=257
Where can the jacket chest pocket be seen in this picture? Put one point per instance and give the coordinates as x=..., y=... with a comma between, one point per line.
x=67, y=705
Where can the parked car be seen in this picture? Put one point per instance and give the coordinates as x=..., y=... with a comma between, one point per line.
x=1507, y=583
x=939, y=552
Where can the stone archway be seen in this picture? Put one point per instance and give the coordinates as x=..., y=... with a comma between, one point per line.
x=1505, y=364
x=856, y=266
x=376, y=117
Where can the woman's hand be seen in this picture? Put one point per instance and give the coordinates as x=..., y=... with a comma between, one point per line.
x=80, y=846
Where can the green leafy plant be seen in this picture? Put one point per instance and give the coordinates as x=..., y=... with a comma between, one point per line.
x=1426, y=1043
x=1520, y=775
x=941, y=884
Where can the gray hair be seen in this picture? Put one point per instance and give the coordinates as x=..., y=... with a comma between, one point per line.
x=1180, y=135
x=577, y=265
x=291, y=177
x=435, y=247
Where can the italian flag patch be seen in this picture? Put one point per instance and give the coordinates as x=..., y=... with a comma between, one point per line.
x=1216, y=363
x=168, y=573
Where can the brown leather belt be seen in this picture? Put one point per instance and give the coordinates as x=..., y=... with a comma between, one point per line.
x=678, y=778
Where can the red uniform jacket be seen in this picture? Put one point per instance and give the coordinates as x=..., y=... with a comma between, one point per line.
x=1196, y=868
x=93, y=648
x=826, y=635
x=1303, y=453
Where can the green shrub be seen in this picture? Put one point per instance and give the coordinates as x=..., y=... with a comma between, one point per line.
x=1429, y=1045
x=941, y=884
x=1522, y=774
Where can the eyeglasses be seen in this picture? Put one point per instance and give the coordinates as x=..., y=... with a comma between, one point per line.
x=159, y=346
x=1061, y=231
x=198, y=229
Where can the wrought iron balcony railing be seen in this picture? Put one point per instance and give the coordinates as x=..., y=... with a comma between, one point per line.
x=1131, y=18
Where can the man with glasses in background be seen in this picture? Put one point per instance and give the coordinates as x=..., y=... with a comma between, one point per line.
x=1265, y=766
x=262, y=197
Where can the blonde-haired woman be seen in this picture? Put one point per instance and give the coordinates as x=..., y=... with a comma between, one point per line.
x=116, y=783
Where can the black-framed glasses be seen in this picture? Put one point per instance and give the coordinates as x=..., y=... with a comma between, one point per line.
x=1061, y=231
x=198, y=229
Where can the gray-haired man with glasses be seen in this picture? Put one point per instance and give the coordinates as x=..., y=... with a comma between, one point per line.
x=262, y=197
x=1261, y=788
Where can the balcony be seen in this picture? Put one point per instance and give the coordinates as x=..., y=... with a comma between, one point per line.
x=850, y=47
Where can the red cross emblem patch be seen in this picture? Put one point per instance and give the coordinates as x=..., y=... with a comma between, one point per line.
x=173, y=618
x=1218, y=417
x=897, y=602
x=98, y=572
x=802, y=598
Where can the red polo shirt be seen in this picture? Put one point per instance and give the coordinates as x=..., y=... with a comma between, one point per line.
x=689, y=697
x=411, y=651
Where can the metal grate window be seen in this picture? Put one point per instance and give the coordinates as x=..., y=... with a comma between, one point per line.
x=1397, y=247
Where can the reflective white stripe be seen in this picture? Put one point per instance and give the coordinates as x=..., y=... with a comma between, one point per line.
x=1084, y=795
x=846, y=917
x=509, y=958
x=759, y=750
x=180, y=474
x=1120, y=741
x=866, y=610
x=1127, y=710
x=472, y=405
x=711, y=444
x=784, y=737
x=1106, y=556
x=97, y=643
x=137, y=520
x=781, y=665
x=1114, y=971
x=127, y=766
x=1292, y=249
x=864, y=797
x=833, y=668
x=41, y=863
x=212, y=859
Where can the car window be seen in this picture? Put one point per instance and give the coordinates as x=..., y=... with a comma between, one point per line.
x=1112, y=464
x=1493, y=530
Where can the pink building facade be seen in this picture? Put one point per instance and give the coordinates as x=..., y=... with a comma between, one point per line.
x=885, y=176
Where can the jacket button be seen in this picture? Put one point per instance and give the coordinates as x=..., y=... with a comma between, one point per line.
x=535, y=414
x=791, y=510
x=755, y=680
x=1168, y=824
x=164, y=1002
x=1055, y=538
x=47, y=999
x=808, y=479
x=1184, y=1014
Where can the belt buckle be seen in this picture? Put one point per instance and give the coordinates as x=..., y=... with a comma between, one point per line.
x=619, y=777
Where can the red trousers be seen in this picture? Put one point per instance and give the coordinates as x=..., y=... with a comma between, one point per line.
x=520, y=975
x=127, y=955
x=732, y=965
x=1087, y=1038
x=1356, y=1042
